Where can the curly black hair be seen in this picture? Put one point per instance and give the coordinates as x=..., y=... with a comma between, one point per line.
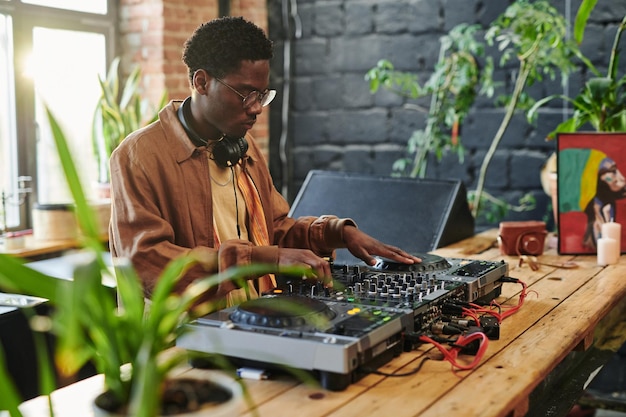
x=219, y=46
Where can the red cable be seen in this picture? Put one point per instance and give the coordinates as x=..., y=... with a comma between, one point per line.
x=451, y=354
x=509, y=310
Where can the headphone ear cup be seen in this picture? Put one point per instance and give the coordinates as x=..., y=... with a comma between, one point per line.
x=229, y=151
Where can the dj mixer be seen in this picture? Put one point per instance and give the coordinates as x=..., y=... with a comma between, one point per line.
x=342, y=333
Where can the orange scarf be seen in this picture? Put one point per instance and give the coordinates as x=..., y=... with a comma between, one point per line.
x=257, y=230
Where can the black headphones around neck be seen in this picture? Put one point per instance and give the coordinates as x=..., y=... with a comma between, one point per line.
x=227, y=151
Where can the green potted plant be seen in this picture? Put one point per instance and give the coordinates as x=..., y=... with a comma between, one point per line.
x=601, y=103
x=128, y=343
x=533, y=33
x=452, y=87
x=119, y=113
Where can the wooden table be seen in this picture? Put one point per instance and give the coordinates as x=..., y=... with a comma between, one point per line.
x=34, y=248
x=543, y=345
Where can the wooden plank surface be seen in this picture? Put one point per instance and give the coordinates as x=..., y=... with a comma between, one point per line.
x=561, y=311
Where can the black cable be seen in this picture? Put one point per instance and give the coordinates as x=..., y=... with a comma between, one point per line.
x=409, y=373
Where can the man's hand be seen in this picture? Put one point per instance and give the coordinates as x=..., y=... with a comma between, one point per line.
x=366, y=247
x=306, y=258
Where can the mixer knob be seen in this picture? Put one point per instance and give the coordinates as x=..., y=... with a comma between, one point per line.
x=384, y=291
x=372, y=290
x=395, y=292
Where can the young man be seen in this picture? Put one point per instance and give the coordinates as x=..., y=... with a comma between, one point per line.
x=195, y=179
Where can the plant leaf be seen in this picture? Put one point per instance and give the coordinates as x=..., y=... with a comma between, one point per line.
x=582, y=16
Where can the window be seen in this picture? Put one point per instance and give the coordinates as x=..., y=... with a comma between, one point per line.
x=90, y=6
x=8, y=151
x=51, y=51
x=67, y=83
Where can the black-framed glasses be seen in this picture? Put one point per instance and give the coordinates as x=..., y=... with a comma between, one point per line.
x=264, y=98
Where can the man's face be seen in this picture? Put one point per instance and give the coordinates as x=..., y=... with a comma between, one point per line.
x=221, y=106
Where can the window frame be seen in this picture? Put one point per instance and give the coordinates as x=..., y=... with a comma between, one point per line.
x=25, y=17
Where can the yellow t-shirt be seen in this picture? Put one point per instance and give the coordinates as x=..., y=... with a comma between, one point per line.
x=230, y=214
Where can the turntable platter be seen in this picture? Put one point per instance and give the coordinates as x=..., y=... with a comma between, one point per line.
x=282, y=312
x=429, y=263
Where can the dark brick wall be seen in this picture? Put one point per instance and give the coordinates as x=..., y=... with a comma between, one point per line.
x=334, y=123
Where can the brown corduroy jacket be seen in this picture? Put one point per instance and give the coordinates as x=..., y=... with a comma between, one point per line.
x=162, y=207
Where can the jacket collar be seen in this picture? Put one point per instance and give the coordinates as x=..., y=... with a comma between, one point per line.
x=183, y=148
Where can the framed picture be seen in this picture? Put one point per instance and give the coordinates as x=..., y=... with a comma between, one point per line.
x=591, y=188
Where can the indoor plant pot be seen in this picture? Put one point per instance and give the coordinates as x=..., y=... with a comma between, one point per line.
x=217, y=395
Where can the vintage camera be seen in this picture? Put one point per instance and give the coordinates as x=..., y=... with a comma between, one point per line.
x=522, y=237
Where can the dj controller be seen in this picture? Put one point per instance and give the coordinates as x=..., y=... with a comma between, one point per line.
x=341, y=333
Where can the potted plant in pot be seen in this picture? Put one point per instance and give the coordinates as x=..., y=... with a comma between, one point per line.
x=130, y=344
x=117, y=114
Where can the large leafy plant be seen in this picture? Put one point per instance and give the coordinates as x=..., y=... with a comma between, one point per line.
x=534, y=34
x=120, y=111
x=601, y=103
x=127, y=343
x=453, y=86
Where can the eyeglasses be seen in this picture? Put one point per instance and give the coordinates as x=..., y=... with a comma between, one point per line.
x=264, y=98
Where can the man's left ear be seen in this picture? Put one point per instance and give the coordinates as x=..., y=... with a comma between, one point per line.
x=200, y=81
